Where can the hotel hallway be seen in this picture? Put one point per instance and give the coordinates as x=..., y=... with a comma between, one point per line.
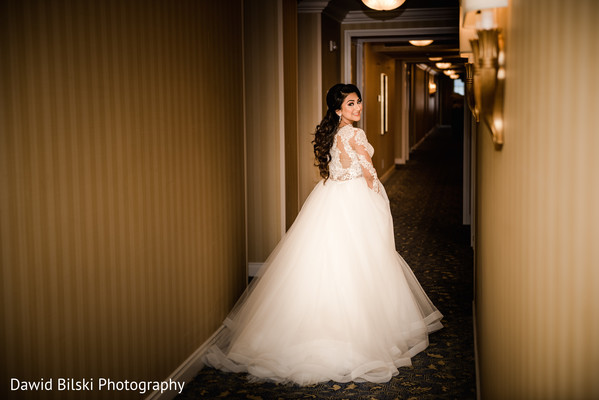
x=426, y=204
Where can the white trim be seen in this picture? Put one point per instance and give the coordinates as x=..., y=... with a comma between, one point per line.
x=405, y=115
x=359, y=65
x=377, y=34
x=254, y=267
x=466, y=166
x=185, y=372
x=281, y=77
x=359, y=76
x=473, y=168
x=476, y=356
x=346, y=61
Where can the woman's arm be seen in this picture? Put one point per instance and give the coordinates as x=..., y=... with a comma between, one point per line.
x=360, y=144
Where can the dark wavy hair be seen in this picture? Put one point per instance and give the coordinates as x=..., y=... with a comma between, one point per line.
x=325, y=131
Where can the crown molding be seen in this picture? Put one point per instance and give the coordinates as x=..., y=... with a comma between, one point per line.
x=311, y=6
x=409, y=14
x=336, y=12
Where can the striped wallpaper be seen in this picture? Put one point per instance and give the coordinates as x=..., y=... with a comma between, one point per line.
x=265, y=126
x=538, y=211
x=310, y=97
x=122, y=209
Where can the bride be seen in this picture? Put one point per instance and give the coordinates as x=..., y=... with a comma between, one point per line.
x=334, y=300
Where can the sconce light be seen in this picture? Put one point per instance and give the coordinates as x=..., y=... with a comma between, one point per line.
x=470, y=91
x=432, y=85
x=432, y=88
x=420, y=43
x=485, y=77
x=383, y=5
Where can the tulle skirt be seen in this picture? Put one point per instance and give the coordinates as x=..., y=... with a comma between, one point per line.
x=334, y=300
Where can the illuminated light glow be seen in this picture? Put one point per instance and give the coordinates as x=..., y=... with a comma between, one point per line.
x=454, y=76
x=421, y=43
x=498, y=123
x=435, y=58
x=432, y=87
x=383, y=5
x=443, y=65
x=501, y=73
x=501, y=58
x=449, y=72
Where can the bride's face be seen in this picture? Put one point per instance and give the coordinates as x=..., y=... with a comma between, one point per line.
x=351, y=110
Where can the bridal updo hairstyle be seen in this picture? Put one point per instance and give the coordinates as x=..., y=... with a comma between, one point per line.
x=325, y=131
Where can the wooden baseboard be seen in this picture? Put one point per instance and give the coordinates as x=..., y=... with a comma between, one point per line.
x=186, y=372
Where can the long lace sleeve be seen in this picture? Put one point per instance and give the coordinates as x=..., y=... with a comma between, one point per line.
x=365, y=151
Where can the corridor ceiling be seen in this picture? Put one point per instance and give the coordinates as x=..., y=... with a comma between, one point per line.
x=426, y=19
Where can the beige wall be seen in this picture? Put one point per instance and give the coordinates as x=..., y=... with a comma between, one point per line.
x=290, y=69
x=310, y=95
x=424, y=113
x=122, y=185
x=397, y=113
x=537, y=286
x=331, y=60
x=374, y=65
x=265, y=125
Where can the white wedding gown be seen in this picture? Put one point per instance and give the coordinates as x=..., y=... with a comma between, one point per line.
x=334, y=300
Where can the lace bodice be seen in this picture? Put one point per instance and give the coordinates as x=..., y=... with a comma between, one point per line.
x=351, y=157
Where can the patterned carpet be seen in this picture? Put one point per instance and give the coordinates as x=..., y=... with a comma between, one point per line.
x=426, y=196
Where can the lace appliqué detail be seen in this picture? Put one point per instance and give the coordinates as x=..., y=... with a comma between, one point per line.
x=351, y=157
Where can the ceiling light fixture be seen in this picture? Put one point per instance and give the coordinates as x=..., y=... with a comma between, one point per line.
x=435, y=58
x=449, y=72
x=420, y=43
x=383, y=5
x=443, y=65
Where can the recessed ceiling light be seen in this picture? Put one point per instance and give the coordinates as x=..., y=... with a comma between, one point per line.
x=443, y=65
x=383, y=5
x=420, y=43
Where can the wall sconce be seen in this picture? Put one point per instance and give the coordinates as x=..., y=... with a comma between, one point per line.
x=489, y=80
x=470, y=91
x=432, y=85
x=432, y=88
x=485, y=77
